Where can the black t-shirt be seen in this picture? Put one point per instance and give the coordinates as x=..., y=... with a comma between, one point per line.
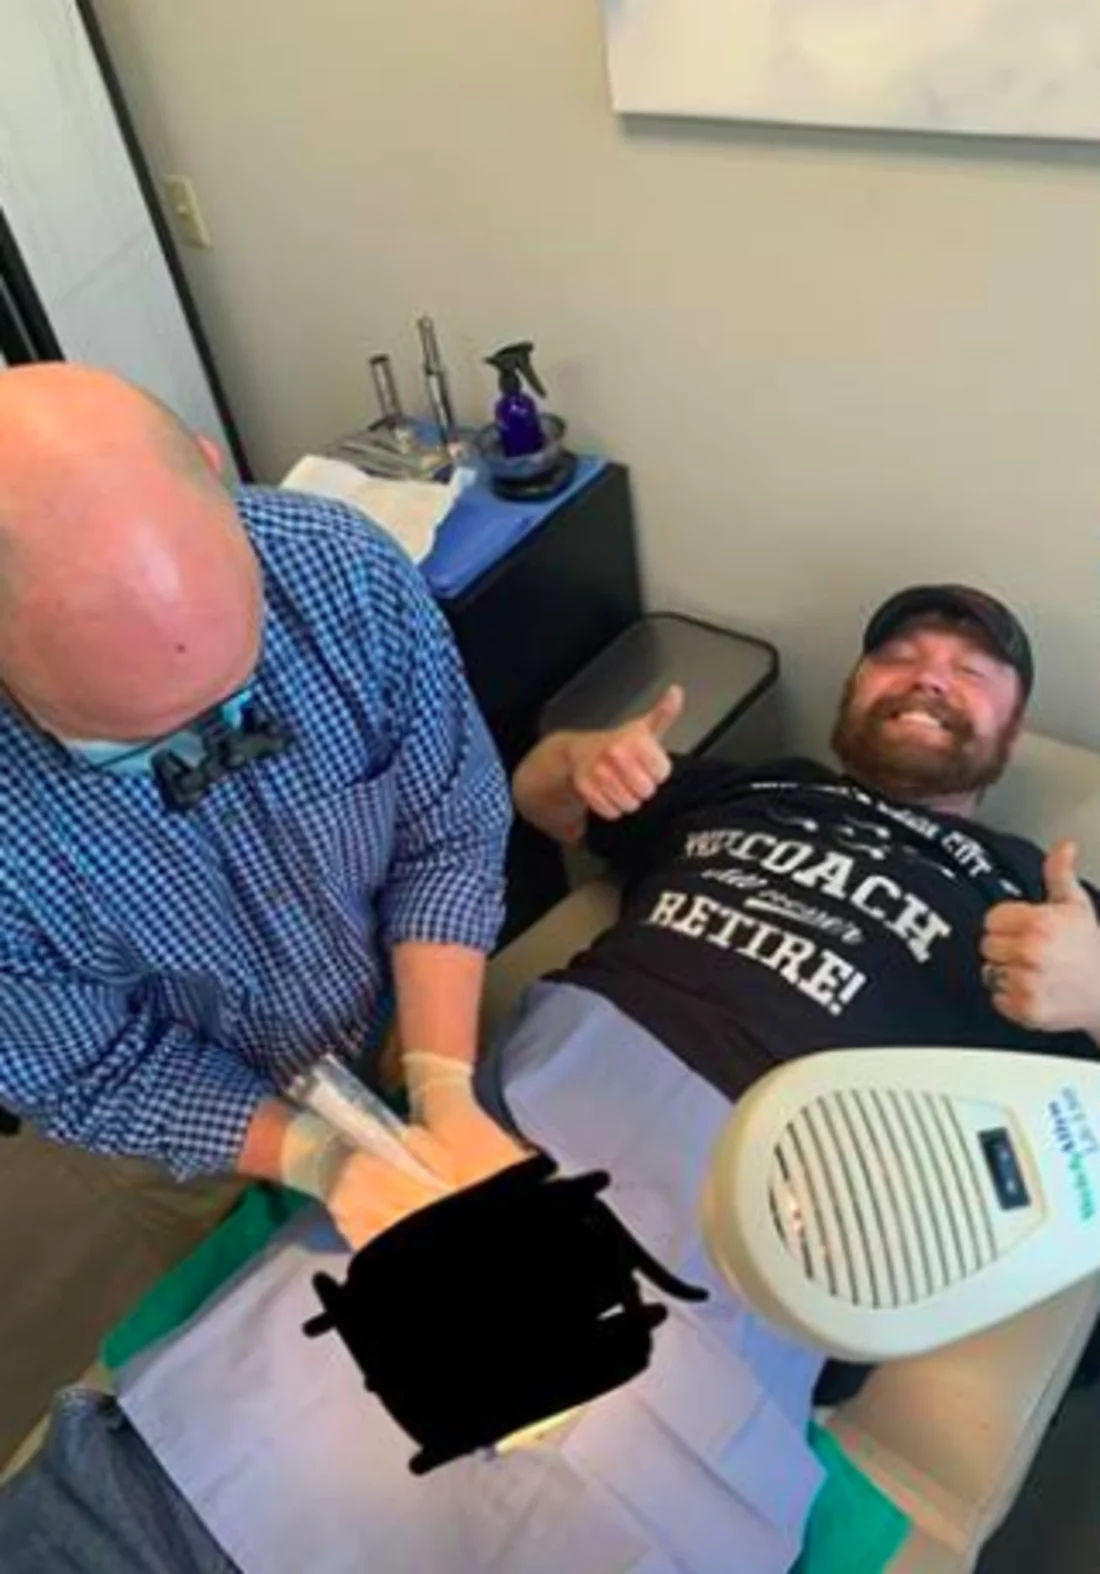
x=770, y=913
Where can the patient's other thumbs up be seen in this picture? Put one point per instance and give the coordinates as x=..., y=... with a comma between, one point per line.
x=1063, y=886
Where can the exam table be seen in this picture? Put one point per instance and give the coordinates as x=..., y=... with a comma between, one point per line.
x=949, y=1436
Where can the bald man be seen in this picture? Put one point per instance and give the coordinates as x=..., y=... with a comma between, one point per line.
x=246, y=790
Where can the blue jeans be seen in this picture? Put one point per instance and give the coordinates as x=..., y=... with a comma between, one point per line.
x=95, y=1501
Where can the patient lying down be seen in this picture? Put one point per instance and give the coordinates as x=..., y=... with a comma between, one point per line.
x=774, y=912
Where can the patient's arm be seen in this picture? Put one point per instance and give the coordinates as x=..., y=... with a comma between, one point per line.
x=608, y=773
x=544, y=791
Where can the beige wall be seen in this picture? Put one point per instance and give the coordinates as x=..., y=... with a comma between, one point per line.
x=833, y=363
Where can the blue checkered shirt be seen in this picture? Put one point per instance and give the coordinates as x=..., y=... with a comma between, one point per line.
x=161, y=973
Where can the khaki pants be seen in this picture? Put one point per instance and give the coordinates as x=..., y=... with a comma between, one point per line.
x=81, y=1238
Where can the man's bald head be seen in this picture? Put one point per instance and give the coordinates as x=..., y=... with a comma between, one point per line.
x=130, y=597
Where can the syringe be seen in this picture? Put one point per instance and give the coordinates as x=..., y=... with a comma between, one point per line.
x=334, y=1093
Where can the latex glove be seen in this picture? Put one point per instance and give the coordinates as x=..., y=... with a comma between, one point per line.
x=364, y=1195
x=467, y=1144
x=369, y=1196
x=1042, y=959
x=616, y=771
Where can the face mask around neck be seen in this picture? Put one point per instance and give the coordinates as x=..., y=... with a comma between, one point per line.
x=130, y=759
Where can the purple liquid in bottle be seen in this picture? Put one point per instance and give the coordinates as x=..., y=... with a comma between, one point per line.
x=519, y=425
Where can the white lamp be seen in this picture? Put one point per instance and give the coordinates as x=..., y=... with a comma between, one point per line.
x=880, y=1203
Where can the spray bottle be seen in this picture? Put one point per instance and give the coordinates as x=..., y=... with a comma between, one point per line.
x=518, y=421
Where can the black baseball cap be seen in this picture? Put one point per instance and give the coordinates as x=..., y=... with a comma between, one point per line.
x=1005, y=631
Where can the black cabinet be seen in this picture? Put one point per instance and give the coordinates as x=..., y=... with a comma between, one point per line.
x=533, y=620
x=543, y=611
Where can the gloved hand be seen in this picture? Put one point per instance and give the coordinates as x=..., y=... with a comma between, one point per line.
x=467, y=1144
x=368, y=1196
x=364, y=1195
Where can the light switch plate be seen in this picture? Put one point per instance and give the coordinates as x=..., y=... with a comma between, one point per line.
x=183, y=204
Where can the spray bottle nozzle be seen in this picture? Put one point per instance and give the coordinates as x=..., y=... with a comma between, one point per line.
x=515, y=366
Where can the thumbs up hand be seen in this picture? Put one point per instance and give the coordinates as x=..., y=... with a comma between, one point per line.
x=615, y=772
x=1041, y=961
x=1063, y=887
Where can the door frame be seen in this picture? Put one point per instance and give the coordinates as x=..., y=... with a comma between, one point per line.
x=26, y=333
x=145, y=181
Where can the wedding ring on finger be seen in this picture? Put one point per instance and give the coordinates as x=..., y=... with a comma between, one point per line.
x=994, y=978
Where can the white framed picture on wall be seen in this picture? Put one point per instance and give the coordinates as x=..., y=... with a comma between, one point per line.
x=1014, y=68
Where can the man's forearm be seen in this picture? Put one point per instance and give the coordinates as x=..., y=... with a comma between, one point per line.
x=438, y=997
x=296, y=1148
x=261, y=1156
x=543, y=790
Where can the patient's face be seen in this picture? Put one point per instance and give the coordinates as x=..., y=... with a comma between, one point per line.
x=931, y=715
